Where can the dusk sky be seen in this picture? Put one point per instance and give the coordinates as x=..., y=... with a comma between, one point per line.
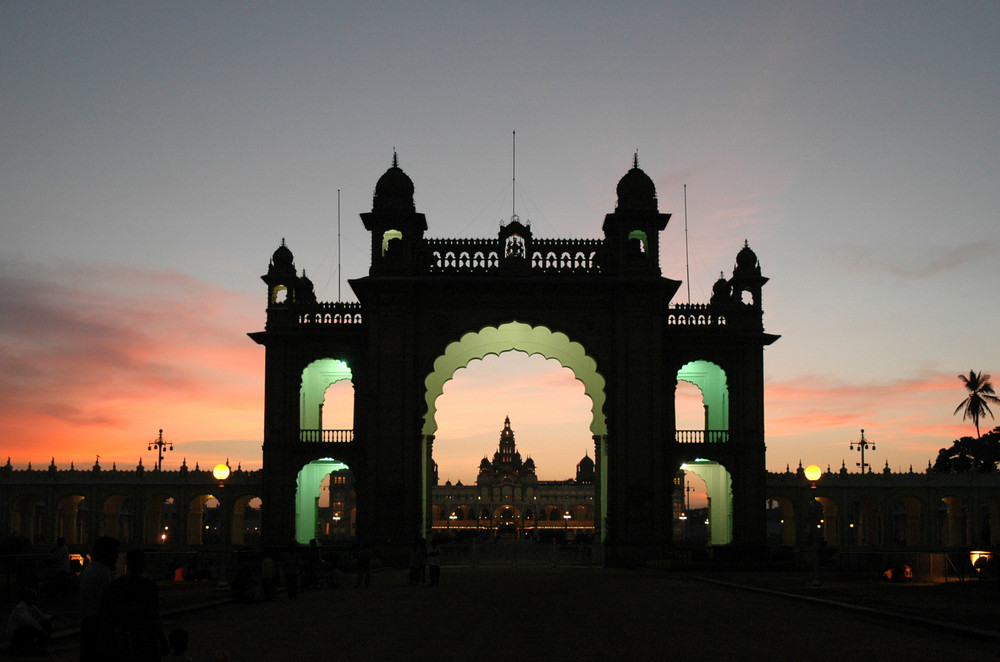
x=153, y=156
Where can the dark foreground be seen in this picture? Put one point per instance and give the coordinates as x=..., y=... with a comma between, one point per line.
x=557, y=614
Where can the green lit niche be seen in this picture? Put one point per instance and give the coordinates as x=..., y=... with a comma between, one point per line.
x=711, y=381
x=719, y=486
x=641, y=236
x=316, y=378
x=387, y=236
x=307, y=485
x=517, y=336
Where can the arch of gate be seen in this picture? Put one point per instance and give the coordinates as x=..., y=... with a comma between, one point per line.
x=317, y=377
x=308, y=482
x=711, y=381
x=520, y=337
x=719, y=488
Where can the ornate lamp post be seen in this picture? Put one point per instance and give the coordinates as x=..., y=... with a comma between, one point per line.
x=160, y=446
x=221, y=473
x=813, y=474
x=862, y=445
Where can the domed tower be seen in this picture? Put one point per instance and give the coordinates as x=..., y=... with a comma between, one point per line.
x=747, y=281
x=632, y=232
x=585, y=471
x=285, y=288
x=397, y=229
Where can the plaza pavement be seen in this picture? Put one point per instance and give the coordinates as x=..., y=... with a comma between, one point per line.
x=536, y=613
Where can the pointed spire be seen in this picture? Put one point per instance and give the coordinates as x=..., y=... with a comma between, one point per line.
x=395, y=158
x=635, y=158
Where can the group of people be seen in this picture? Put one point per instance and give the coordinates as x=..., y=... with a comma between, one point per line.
x=423, y=556
x=120, y=620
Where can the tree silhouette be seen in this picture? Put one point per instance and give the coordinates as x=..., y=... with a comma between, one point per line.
x=980, y=397
x=968, y=454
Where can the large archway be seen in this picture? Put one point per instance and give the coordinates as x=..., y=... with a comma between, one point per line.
x=531, y=340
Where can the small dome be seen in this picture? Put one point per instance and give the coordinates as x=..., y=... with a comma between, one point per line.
x=722, y=291
x=394, y=190
x=307, y=292
x=746, y=262
x=586, y=464
x=636, y=191
x=282, y=261
x=529, y=464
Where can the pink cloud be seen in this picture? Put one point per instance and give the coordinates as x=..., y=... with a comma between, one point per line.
x=95, y=360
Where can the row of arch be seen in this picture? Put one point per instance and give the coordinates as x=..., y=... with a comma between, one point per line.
x=159, y=519
x=708, y=378
x=877, y=519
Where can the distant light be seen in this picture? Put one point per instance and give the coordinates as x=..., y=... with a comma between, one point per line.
x=813, y=473
x=221, y=471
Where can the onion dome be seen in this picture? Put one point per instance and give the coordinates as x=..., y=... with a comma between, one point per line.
x=394, y=190
x=306, y=293
x=529, y=464
x=746, y=263
x=722, y=291
x=636, y=191
x=485, y=464
x=282, y=261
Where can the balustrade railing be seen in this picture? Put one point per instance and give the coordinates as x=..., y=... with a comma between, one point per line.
x=569, y=256
x=701, y=436
x=335, y=312
x=695, y=314
x=326, y=436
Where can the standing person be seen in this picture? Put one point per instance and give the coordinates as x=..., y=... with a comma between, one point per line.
x=268, y=576
x=132, y=604
x=434, y=561
x=364, y=566
x=94, y=582
x=28, y=626
x=290, y=566
x=63, y=566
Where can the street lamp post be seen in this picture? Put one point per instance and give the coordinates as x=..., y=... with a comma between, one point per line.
x=160, y=446
x=221, y=473
x=813, y=474
x=862, y=445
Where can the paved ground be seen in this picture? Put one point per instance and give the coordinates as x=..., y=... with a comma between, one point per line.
x=582, y=614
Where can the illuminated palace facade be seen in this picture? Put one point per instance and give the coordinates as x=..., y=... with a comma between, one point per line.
x=509, y=500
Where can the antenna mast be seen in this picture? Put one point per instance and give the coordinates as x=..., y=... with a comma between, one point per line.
x=338, y=245
x=513, y=174
x=687, y=259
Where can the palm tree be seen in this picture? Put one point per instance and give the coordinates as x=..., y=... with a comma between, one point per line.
x=981, y=395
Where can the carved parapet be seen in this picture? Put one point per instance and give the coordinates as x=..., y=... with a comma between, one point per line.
x=330, y=313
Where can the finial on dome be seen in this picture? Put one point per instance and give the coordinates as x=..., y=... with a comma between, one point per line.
x=395, y=158
x=635, y=158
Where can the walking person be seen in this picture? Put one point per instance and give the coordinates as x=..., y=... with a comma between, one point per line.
x=434, y=561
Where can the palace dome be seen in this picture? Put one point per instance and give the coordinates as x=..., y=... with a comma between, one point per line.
x=282, y=261
x=636, y=191
x=394, y=190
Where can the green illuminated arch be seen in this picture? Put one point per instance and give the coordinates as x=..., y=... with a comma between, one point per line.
x=307, y=488
x=711, y=381
x=517, y=336
x=316, y=378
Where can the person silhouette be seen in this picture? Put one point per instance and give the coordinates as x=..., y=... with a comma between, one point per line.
x=94, y=582
x=132, y=605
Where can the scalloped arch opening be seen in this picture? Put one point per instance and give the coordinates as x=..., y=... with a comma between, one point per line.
x=517, y=337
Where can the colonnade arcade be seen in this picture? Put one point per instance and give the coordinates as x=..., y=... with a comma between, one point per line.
x=139, y=507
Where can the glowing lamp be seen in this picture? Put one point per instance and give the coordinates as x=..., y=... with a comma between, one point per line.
x=221, y=471
x=813, y=473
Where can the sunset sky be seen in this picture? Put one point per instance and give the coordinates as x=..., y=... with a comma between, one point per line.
x=154, y=155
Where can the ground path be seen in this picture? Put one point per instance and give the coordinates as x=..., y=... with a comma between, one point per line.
x=555, y=614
